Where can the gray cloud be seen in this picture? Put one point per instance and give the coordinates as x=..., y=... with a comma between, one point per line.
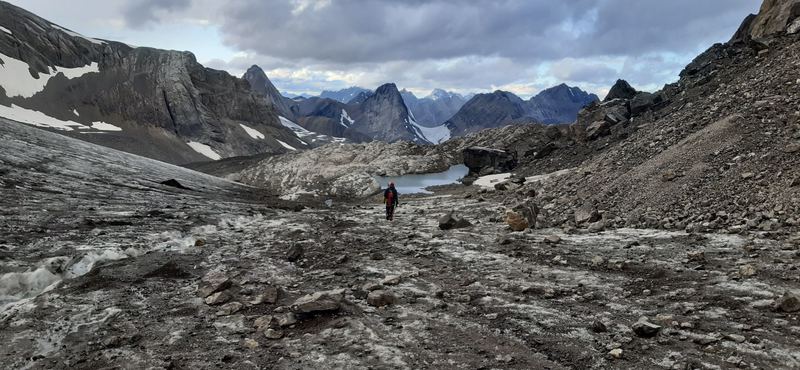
x=141, y=13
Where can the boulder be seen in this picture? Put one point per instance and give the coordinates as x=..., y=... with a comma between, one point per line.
x=523, y=215
x=269, y=295
x=294, y=253
x=641, y=103
x=218, y=298
x=213, y=282
x=516, y=221
x=621, y=90
x=479, y=158
x=380, y=298
x=451, y=221
x=318, y=302
x=586, y=214
x=645, y=329
x=597, y=130
x=229, y=309
x=788, y=303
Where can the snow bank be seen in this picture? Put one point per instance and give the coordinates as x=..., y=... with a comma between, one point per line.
x=252, y=132
x=16, y=78
x=287, y=146
x=489, y=180
x=204, y=150
x=36, y=118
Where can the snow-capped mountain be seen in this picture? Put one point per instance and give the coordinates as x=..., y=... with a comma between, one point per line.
x=434, y=109
x=344, y=95
x=156, y=103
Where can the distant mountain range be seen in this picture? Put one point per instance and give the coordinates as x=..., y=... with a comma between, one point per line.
x=559, y=104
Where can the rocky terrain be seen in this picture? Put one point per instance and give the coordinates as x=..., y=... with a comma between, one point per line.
x=133, y=273
x=156, y=103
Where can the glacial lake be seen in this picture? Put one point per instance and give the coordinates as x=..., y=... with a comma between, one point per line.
x=410, y=184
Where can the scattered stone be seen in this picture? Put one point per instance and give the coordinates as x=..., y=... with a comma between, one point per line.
x=451, y=221
x=788, y=303
x=368, y=287
x=376, y=256
x=615, y=353
x=696, y=256
x=218, y=298
x=596, y=227
x=295, y=253
x=391, y=280
x=552, y=239
x=735, y=338
x=250, y=343
x=598, y=261
x=174, y=183
x=269, y=296
x=213, y=282
x=380, y=298
x=273, y=334
x=342, y=259
x=318, y=302
x=747, y=175
x=645, y=329
x=265, y=321
x=599, y=327
x=229, y=309
x=286, y=319
x=586, y=214
x=516, y=221
x=199, y=243
x=792, y=148
x=747, y=271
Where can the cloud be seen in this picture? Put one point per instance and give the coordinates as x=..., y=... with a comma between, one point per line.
x=141, y=13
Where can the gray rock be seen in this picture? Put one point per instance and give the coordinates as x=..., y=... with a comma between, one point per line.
x=229, y=309
x=788, y=303
x=286, y=319
x=295, y=253
x=451, y=221
x=645, y=329
x=478, y=159
x=268, y=295
x=218, y=298
x=318, y=302
x=213, y=282
x=380, y=298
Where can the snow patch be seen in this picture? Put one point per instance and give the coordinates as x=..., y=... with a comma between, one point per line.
x=16, y=79
x=204, y=150
x=287, y=146
x=345, y=117
x=433, y=135
x=252, y=132
x=6, y=30
x=37, y=118
x=75, y=34
x=489, y=180
x=75, y=112
x=297, y=129
x=103, y=126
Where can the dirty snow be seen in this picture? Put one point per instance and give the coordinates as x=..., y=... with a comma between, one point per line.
x=204, y=150
x=252, y=132
x=16, y=78
x=287, y=146
x=489, y=180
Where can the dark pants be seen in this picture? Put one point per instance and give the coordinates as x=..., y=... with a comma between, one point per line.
x=390, y=212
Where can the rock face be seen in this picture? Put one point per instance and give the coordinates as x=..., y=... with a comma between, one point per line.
x=260, y=83
x=145, y=101
x=776, y=16
x=559, y=104
x=482, y=160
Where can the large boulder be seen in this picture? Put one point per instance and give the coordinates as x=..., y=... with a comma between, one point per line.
x=641, y=103
x=598, y=129
x=318, y=302
x=621, y=90
x=479, y=159
x=776, y=16
x=522, y=216
x=451, y=221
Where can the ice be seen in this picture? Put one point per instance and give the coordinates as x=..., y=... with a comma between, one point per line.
x=102, y=126
x=489, y=180
x=75, y=34
x=287, y=146
x=16, y=78
x=252, y=132
x=6, y=30
x=204, y=150
x=36, y=118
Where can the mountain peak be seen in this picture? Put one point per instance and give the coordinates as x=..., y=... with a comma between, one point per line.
x=621, y=90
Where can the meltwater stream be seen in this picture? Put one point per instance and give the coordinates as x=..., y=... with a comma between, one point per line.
x=410, y=184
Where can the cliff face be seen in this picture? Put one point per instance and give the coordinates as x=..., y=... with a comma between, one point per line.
x=776, y=16
x=157, y=103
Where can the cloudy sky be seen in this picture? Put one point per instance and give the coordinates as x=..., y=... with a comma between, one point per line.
x=522, y=46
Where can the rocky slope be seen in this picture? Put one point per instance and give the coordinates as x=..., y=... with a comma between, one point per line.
x=559, y=104
x=157, y=103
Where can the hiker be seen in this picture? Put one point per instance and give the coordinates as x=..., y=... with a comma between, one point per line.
x=391, y=200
